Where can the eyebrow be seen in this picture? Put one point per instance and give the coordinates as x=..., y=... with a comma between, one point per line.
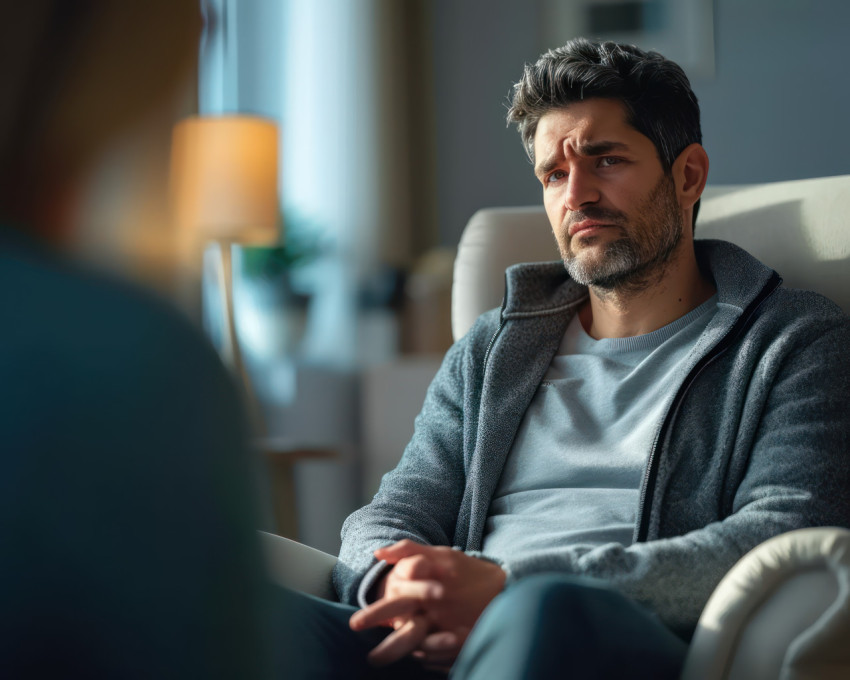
x=584, y=149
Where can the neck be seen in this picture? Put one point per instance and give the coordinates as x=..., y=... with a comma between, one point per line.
x=625, y=312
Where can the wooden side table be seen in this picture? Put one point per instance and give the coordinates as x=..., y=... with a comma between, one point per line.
x=280, y=456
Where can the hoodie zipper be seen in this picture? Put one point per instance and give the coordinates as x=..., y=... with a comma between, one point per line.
x=650, y=478
x=501, y=325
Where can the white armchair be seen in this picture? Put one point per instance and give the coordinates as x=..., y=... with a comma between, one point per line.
x=784, y=610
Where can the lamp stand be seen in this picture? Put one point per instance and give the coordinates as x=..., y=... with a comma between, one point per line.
x=231, y=350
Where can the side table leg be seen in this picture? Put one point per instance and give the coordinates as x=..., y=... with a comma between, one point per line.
x=282, y=474
x=281, y=457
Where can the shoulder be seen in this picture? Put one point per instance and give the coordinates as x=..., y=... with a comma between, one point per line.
x=85, y=350
x=741, y=278
x=800, y=333
x=803, y=311
x=82, y=315
x=798, y=302
x=484, y=327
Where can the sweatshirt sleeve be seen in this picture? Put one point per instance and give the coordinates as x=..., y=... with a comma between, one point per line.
x=420, y=498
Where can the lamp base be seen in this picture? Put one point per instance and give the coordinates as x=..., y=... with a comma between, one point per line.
x=220, y=323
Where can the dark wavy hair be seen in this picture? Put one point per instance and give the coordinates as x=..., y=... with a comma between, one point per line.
x=655, y=91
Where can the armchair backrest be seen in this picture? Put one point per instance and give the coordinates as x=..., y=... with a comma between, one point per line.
x=797, y=227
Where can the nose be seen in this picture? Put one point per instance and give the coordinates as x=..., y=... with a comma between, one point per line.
x=581, y=189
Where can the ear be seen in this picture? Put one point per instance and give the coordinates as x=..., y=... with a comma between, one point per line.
x=690, y=172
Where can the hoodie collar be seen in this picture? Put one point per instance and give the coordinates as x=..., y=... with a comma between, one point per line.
x=543, y=288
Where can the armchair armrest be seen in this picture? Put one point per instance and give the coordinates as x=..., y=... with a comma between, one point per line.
x=783, y=611
x=298, y=566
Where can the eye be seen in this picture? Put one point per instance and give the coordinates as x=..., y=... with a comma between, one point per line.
x=609, y=161
x=555, y=176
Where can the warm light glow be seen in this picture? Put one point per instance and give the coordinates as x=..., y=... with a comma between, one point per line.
x=224, y=177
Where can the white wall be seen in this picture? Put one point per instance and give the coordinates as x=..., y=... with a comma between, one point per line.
x=780, y=104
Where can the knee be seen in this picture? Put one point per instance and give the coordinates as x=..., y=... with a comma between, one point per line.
x=535, y=626
x=543, y=624
x=541, y=598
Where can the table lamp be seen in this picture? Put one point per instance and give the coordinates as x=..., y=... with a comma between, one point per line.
x=224, y=176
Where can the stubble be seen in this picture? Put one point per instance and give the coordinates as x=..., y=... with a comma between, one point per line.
x=639, y=258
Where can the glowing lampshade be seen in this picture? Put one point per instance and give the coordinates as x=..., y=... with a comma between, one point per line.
x=224, y=175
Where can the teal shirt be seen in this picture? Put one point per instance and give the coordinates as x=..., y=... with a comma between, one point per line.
x=127, y=515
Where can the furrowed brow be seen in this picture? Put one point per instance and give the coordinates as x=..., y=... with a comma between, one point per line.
x=546, y=166
x=600, y=148
x=587, y=149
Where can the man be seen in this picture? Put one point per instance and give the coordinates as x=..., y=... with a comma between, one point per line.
x=603, y=448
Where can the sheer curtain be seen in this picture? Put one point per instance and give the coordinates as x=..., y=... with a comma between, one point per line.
x=336, y=76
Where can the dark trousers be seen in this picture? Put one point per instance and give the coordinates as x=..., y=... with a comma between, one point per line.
x=313, y=641
x=553, y=626
x=546, y=626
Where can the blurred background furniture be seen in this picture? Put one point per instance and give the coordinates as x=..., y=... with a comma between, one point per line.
x=784, y=609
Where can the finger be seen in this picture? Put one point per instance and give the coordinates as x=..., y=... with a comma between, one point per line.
x=380, y=613
x=414, y=561
x=435, y=662
x=384, y=609
x=400, y=642
x=431, y=562
x=413, y=567
x=442, y=648
x=420, y=567
x=442, y=641
x=397, y=551
x=412, y=590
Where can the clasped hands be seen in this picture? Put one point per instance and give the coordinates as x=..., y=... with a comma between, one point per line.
x=431, y=598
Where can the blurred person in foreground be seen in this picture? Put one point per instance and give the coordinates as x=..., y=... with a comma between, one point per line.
x=127, y=544
x=594, y=456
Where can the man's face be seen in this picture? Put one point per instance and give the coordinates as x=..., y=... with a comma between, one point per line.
x=613, y=210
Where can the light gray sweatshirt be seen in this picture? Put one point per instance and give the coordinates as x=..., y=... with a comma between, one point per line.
x=756, y=441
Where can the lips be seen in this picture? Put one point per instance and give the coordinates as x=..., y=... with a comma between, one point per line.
x=592, y=218
x=585, y=225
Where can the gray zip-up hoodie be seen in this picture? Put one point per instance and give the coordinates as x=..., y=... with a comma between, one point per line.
x=755, y=443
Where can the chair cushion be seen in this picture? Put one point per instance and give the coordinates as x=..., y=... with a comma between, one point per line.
x=494, y=239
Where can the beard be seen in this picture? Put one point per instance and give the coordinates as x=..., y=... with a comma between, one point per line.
x=637, y=259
